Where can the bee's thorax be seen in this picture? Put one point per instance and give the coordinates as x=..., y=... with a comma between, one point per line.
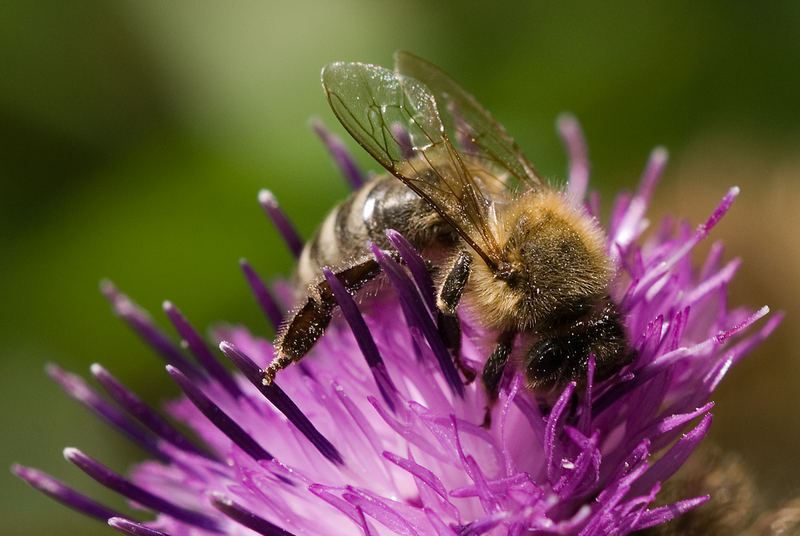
x=554, y=265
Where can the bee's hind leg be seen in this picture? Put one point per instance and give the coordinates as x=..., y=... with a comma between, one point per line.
x=306, y=326
x=493, y=373
x=447, y=320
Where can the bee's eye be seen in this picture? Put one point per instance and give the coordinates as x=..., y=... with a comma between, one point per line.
x=506, y=272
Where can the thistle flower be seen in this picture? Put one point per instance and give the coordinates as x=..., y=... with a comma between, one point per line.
x=377, y=433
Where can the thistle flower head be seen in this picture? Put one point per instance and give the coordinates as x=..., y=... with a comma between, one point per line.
x=376, y=432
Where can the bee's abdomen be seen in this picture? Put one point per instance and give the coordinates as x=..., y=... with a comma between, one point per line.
x=381, y=204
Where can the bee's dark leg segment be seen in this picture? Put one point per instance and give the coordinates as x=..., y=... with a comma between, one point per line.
x=300, y=334
x=308, y=324
x=447, y=321
x=493, y=372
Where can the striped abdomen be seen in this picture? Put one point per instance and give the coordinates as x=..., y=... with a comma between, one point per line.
x=383, y=203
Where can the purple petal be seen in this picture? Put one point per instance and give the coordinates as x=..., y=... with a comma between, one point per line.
x=341, y=156
x=680, y=252
x=263, y=296
x=363, y=338
x=281, y=222
x=420, y=318
x=662, y=514
x=79, y=390
x=142, y=324
x=138, y=409
x=482, y=525
x=572, y=137
x=282, y=402
x=245, y=517
x=380, y=511
x=672, y=423
x=62, y=493
x=219, y=418
x=551, y=445
x=672, y=460
x=630, y=226
x=416, y=265
x=200, y=350
x=132, y=528
x=121, y=485
x=438, y=525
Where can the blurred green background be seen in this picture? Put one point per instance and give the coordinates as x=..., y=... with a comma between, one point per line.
x=136, y=134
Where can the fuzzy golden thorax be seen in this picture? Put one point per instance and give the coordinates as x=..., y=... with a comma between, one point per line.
x=555, y=267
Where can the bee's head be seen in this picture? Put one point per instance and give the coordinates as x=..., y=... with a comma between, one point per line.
x=508, y=272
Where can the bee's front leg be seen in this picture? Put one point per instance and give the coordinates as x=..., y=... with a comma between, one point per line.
x=447, y=320
x=308, y=323
x=493, y=372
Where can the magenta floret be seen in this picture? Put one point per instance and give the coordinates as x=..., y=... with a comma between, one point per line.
x=377, y=433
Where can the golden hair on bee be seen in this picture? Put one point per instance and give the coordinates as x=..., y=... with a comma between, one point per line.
x=557, y=253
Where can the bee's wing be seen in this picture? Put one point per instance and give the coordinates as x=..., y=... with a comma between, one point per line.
x=371, y=102
x=461, y=113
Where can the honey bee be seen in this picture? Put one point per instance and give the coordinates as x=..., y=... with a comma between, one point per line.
x=530, y=263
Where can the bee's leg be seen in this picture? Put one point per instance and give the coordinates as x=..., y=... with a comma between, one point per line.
x=493, y=372
x=447, y=321
x=304, y=329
